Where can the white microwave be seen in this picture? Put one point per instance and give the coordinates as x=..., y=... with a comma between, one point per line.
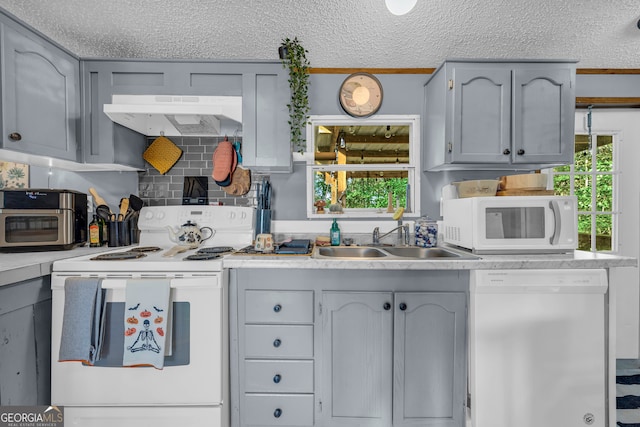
x=511, y=224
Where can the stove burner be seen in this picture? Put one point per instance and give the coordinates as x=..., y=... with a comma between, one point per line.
x=117, y=256
x=201, y=257
x=215, y=250
x=145, y=249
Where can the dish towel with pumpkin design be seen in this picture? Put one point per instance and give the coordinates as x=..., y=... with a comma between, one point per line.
x=145, y=322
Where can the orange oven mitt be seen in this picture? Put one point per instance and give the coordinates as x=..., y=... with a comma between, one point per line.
x=224, y=163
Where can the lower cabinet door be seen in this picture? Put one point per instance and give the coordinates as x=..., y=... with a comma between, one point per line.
x=356, y=359
x=429, y=359
x=278, y=409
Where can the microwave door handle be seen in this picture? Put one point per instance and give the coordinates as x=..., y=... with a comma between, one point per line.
x=557, y=229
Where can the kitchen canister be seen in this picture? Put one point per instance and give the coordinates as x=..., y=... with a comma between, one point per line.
x=426, y=233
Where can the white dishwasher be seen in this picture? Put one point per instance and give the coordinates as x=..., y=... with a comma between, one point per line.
x=537, y=353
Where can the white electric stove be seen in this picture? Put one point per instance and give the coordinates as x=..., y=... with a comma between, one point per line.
x=232, y=229
x=193, y=386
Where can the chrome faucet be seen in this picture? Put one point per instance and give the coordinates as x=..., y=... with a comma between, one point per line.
x=407, y=238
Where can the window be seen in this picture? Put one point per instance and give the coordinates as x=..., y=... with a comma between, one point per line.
x=363, y=167
x=592, y=179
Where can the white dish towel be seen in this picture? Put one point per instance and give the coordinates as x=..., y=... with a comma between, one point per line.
x=145, y=322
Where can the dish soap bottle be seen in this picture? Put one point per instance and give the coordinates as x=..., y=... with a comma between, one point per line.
x=334, y=234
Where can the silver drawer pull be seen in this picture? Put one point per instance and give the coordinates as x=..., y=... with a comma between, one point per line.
x=277, y=308
x=277, y=413
x=277, y=342
x=277, y=378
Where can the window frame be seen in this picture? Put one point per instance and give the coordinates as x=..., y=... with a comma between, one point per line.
x=593, y=175
x=413, y=167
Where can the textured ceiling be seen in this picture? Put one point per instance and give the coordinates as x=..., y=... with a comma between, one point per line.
x=343, y=33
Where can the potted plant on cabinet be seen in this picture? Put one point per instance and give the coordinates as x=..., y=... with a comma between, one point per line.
x=294, y=57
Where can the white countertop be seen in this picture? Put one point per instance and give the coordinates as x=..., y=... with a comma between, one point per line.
x=16, y=267
x=577, y=259
x=19, y=266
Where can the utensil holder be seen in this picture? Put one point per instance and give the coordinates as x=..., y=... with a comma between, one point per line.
x=263, y=221
x=124, y=233
x=113, y=234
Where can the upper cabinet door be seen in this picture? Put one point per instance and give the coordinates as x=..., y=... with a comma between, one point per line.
x=543, y=112
x=481, y=119
x=40, y=98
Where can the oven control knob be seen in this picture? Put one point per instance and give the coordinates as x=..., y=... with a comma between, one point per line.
x=148, y=215
x=160, y=215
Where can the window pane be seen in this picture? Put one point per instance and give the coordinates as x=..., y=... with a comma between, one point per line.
x=604, y=193
x=604, y=153
x=584, y=232
x=352, y=144
x=583, y=160
x=361, y=189
x=603, y=232
x=562, y=185
x=582, y=190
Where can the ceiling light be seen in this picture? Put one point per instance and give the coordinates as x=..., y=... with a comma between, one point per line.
x=400, y=7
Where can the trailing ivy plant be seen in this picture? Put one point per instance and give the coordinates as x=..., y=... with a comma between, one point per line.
x=294, y=57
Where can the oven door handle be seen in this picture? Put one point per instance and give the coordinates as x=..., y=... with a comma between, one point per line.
x=557, y=223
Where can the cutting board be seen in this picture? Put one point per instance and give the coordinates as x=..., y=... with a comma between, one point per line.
x=525, y=192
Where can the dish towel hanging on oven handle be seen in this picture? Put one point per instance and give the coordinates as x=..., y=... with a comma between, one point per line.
x=145, y=322
x=82, y=320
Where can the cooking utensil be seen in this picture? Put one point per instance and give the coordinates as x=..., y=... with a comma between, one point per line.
x=103, y=212
x=135, y=202
x=96, y=197
x=124, y=207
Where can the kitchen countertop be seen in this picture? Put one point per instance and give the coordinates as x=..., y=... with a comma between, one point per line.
x=577, y=259
x=16, y=267
x=19, y=266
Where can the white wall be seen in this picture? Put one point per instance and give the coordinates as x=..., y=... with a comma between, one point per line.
x=624, y=281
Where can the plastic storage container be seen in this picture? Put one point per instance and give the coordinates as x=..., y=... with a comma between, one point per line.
x=426, y=233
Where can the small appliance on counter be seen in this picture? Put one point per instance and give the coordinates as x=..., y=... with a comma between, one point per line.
x=516, y=224
x=42, y=219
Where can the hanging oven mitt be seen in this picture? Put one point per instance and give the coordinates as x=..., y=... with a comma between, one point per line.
x=224, y=163
x=240, y=182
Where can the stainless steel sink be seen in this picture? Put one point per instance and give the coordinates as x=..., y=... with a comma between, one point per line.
x=350, y=252
x=393, y=252
x=422, y=253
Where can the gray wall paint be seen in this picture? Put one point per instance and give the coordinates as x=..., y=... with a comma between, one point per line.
x=403, y=94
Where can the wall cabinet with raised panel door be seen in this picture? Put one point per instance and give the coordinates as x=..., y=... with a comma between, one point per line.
x=40, y=94
x=499, y=115
x=348, y=348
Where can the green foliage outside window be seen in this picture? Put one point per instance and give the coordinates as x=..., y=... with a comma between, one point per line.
x=583, y=188
x=365, y=193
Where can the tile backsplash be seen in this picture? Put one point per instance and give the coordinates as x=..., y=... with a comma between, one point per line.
x=196, y=160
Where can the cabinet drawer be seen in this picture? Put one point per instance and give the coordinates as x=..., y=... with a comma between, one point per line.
x=279, y=410
x=279, y=341
x=279, y=376
x=279, y=307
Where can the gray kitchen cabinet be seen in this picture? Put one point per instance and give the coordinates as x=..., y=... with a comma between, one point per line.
x=415, y=341
x=40, y=94
x=25, y=342
x=348, y=347
x=499, y=115
x=429, y=358
x=262, y=85
x=357, y=352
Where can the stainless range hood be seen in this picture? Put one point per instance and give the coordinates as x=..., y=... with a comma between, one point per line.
x=169, y=115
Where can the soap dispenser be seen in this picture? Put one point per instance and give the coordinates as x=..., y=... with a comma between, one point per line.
x=334, y=233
